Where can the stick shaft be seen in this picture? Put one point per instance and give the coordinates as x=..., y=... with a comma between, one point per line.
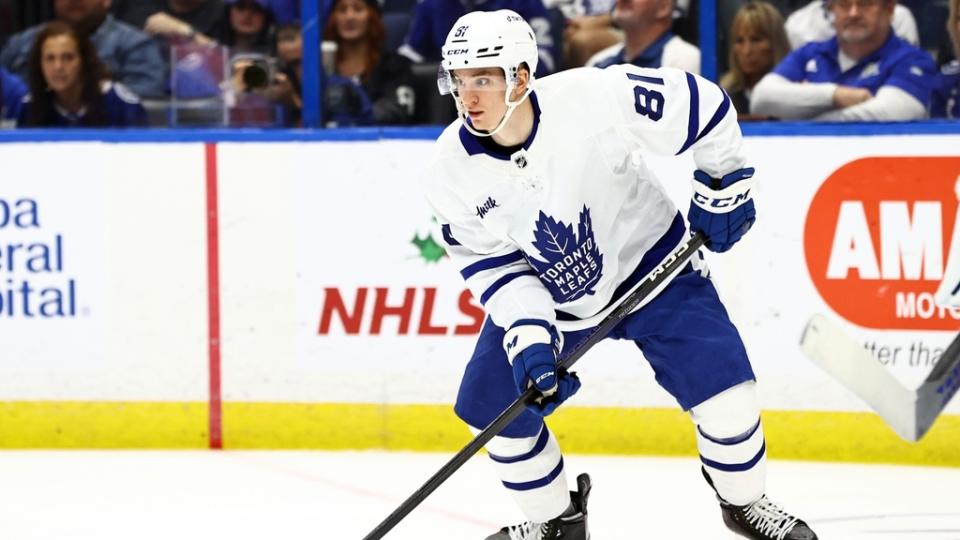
x=657, y=277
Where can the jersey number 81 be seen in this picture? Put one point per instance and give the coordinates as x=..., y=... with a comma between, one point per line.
x=648, y=102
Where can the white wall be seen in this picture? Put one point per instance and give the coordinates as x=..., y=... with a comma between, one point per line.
x=299, y=219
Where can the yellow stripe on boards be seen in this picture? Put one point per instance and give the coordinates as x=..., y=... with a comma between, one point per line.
x=342, y=426
x=803, y=435
x=103, y=424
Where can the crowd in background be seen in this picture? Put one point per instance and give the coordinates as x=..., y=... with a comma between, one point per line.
x=238, y=62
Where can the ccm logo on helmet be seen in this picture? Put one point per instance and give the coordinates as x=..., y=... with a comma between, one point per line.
x=452, y=52
x=514, y=18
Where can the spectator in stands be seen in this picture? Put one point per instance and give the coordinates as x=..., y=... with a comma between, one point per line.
x=131, y=55
x=864, y=73
x=588, y=28
x=177, y=21
x=12, y=92
x=758, y=44
x=70, y=87
x=813, y=22
x=648, y=41
x=432, y=20
x=287, y=88
x=946, y=95
x=247, y=27
x=383, y=76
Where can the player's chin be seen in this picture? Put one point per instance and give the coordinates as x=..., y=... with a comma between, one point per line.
x=478, y=121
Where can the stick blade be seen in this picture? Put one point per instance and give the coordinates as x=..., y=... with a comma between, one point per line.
x=829, y=347
x=939, y=388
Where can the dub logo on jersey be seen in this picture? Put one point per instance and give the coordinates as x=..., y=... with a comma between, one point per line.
x=572, y=264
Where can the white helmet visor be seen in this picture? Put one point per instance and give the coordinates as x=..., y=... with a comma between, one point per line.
x=471, y=80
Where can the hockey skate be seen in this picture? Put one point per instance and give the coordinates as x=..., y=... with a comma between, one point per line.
x=764, y=520
x=570, y=526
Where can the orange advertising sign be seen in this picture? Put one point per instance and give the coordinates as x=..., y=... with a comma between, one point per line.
x=876, y=241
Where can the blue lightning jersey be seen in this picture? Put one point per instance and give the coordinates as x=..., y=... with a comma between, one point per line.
x=566, y=226
x=12, y=92
x=946, y=95
x=896, y=63
x=433, y=19
x=121, y=108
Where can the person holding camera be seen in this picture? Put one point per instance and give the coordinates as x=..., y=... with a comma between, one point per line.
x=247, y=27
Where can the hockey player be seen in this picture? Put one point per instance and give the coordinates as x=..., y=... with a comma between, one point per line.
x=546, y=205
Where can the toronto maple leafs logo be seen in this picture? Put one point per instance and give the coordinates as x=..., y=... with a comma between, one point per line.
x=571, y=263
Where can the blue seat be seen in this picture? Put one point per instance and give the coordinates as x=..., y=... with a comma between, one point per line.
x=931, y=16
x=395, y=24
x=399, y=6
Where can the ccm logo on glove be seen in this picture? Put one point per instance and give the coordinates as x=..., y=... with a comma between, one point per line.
x=722, y=208
x=532, y=346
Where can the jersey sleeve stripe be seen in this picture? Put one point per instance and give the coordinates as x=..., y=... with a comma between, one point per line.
x=693, y=123
x=643, y=78
x=448, y=236
x=717, y=117
x=491, y=263
x=498, y=284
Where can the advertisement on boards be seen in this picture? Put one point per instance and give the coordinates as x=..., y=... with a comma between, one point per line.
x=103, y=274
x=52, y=246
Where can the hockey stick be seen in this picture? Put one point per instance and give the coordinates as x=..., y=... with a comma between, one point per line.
x=654, y=280
x=910, y=413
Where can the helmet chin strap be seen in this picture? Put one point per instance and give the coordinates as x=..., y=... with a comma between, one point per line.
x=511, y=106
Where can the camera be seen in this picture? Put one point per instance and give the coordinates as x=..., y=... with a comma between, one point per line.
x=256, y=71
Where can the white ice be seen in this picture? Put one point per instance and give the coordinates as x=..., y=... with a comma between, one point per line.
x=232, y=495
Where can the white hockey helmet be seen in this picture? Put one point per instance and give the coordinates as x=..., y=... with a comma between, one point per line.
x=483, y=39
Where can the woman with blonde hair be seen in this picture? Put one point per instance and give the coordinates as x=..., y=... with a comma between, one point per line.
x=758, y=43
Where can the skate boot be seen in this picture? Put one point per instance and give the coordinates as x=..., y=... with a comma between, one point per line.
x=764, y=520
x=572, y=525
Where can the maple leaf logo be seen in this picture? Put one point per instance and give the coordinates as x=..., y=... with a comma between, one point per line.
x=572, y=263
x=430, y=250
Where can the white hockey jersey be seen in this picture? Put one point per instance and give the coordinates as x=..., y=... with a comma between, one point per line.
x=568, y=225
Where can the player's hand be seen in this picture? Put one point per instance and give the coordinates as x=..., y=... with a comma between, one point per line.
x=532, y=347
x=848, y=96
x=567, y=385
x=722, y=208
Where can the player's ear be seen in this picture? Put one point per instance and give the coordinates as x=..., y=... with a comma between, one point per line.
x=523, y=77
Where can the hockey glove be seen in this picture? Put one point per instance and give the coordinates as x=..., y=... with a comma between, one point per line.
x=722, y=208
x=532, y=347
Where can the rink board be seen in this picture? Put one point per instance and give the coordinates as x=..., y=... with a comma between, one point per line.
x=312, y=310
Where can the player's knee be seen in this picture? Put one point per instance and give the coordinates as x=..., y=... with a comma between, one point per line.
x=512, y=448
x=730, y=413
